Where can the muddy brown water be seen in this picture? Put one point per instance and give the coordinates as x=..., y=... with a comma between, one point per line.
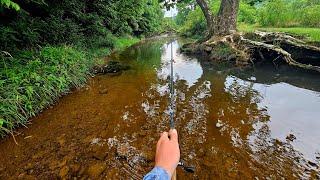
x=256, y=124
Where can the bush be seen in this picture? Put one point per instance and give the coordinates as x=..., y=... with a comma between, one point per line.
x=295, y=13
x=247, y=13
x=194, y=25
x=311, y=16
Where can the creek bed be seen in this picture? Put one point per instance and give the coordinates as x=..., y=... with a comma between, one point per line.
x=232, y=124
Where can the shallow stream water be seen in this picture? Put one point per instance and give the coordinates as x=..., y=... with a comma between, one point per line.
x=244, y=124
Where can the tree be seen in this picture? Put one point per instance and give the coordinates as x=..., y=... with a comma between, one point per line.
x=224, y=23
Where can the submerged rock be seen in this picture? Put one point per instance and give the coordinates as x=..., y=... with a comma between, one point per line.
x=123, y=150
x=114, y=67
x=64, y=171
x=103, y=91
x=291, y=137
x=219, y=124
x=96, y=169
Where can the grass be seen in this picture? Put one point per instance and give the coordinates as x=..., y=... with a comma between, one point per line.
x=32, y=80
x=124, y=42
x=312, y=34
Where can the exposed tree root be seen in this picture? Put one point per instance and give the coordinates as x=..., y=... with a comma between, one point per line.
x=260, y=47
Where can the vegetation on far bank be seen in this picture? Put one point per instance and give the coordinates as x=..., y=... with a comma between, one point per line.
x=312, y=34
x=49, y=47
x=299, y=17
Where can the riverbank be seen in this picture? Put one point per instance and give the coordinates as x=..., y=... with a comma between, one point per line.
x=311, y=34
x=31, y=80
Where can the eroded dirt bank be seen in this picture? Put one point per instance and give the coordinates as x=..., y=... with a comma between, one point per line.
x=229, y=126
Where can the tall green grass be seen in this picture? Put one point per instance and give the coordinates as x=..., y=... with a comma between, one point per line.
x=312, y=34
x=32, y=80
x=29, y=85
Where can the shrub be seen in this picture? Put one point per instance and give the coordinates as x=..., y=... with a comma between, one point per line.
x=311, y=16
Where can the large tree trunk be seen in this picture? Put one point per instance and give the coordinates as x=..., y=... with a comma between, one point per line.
x=208, y=15
x=226, y=21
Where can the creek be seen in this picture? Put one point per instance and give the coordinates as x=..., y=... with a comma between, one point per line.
x=231, y=123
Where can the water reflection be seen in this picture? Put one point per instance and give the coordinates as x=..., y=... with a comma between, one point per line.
x=185, y=68
x=231, y=125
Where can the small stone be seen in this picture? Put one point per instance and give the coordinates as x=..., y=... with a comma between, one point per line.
x=111, y=173
x=61, y=140
x=123, y=150
x=96, y=169
x=219, y=124
x=103, y=91
x=208, y=48
x=208, y=163
x=142, y=133
x=148, y=156
x=100, y=154
x=313, y=164
x=28, y=167
x=291, y=137
x=64, y=171
x=75, y=168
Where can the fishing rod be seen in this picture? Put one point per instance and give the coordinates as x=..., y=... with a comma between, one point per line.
x=171, y=110
x=172, y=125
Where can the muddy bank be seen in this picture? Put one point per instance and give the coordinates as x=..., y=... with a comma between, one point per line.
x=230, y=125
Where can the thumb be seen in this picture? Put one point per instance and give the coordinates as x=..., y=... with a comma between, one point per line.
x=173, y=135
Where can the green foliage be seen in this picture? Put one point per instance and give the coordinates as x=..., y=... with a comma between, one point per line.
x=283, y=13
x=124, y=42
x=313, y=34
x=9, y=4
x=194, y=25
x=311, y=16
x=168, y=24
x=247, y=13
x=74, y=22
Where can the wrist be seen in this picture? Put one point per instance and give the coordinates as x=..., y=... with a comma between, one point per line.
x=166, y=169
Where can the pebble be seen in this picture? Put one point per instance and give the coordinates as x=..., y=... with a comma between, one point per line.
x=100, y=154
x=142, y=133
x=75, y=168
x=123, y=150
x=96, y=169
x=103, y=91
x=219, y=124
x=313, y=164
x=64, y=171
x=291, y=137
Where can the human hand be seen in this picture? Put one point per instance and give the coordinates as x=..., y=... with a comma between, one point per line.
x=168, y=152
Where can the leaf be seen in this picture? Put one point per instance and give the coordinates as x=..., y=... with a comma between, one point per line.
x=1, y=122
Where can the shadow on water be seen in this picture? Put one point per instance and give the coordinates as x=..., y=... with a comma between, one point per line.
x=232, y=124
